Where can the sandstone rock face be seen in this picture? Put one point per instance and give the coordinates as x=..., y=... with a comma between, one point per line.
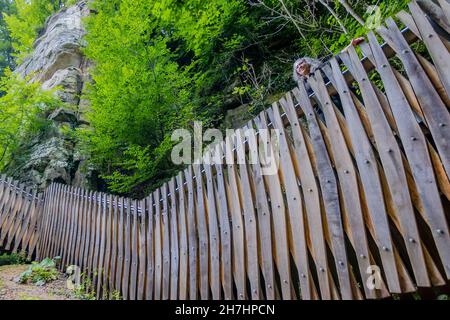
x=57, y=62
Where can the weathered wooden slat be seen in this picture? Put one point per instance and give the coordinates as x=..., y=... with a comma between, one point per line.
x=251, y=236
x=435, y=111
x=264, y=218
x=202, y=235
x=328, y=185
x=75, y=225
x=26, y=224
x=348, y=182
x=19, y=220
x=101, y=258
x=43, y=223
x=127, y=251
x=237, y=225
x=365, y=157
x=437, y=50
x=10, y=213
x=225, y=230
x=37, y=214
x=418, y=158
x=61, y=225
x=68, y=225
x=279, y=217
x=97, y=216
x=107, y=288
x=114, y=242
x=81, y=228
x=16, y=220
x=192, y=237
x=149, y=284
x=310, y=192
x=50, y=236
x=86, y=232
x=142, y=225
x=213, y=228
x=120, y=244
x=438, y=119
x=134, y=230
x=174, y=247
x=445, y=5
x=158, y=246
x=184, y=248
x=166, y=254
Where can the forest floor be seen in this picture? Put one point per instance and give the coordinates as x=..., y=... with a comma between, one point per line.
x=12, y=290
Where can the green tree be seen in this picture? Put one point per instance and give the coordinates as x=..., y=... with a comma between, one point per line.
x=28, y=19
x=6, y=59
x=21, y=110
x=152, y=64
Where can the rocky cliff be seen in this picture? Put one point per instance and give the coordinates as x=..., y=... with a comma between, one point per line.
x=57, y=62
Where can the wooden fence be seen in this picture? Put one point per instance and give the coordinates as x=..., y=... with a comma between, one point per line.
x=20, y=212
x=362, y=189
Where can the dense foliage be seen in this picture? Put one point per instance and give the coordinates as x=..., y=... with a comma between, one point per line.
x=21, y=117
x=160, y=65
x=27, y=20
x=22, y=104
x=7, y=7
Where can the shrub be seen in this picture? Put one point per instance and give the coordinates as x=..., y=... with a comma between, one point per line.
x=40, y=273
x=12, y=259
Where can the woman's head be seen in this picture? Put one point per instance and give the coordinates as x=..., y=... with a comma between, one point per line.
x=303, y=67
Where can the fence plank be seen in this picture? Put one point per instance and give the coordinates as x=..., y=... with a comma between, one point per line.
x=79, y=237
x=158, y=246
x=367, y=163
x=348, y=182
x=149, y=284
x=213, y=227
x=85, y=230
x=193, y=244
x=10, y=212
x=142, y=225
x=225, y=230
x=202, y=235
x=248, y=212
x=101, y=258
x=120, y=244
x=184, y=248
x=279, y=218
x=437, y=50
x=237, y=224
x=134, y=230
x=114, y=243
x=127, y=251
x=418, y=159
x=25, y=224
x=16, y=219
x=328, y=185
x=19, y=218
x=107, y=288
x=310, y=192
x=174, y=247
x=37, y=214
x=438, y=119
x=75, y=225
x=166, y=254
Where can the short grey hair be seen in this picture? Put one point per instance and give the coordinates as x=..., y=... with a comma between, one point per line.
x=314, y=63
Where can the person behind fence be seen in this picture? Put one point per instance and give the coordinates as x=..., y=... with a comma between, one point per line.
x=306, y=66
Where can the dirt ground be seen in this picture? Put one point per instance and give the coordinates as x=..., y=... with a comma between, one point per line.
x=10, y=290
